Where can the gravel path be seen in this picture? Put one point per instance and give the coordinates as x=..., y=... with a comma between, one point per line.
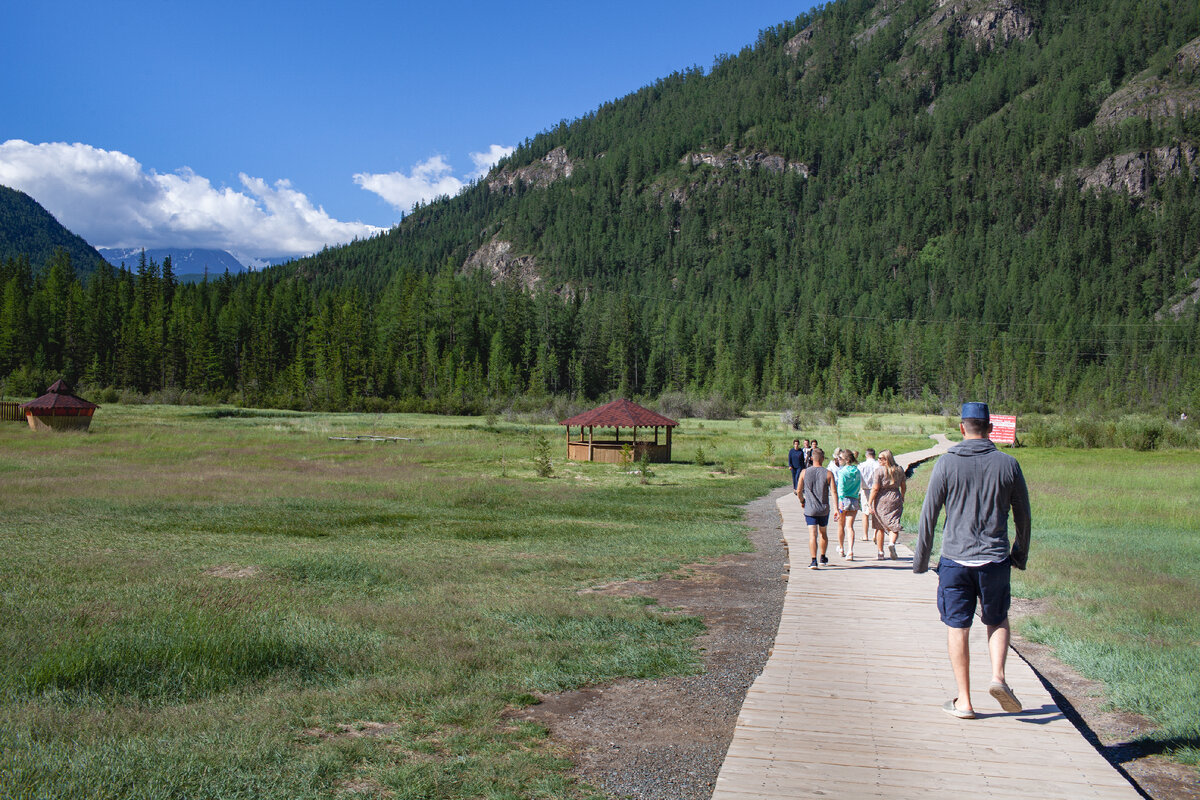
x=666, y=739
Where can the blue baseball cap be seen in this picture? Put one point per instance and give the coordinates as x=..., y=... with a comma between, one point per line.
x=976, y=411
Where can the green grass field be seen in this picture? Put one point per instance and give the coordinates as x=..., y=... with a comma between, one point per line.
x=210, y=602
x=1116, y=552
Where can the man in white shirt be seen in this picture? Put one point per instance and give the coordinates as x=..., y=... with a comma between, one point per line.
x=867, y=470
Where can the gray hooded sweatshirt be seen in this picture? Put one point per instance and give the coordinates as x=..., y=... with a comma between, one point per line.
x=978, y=485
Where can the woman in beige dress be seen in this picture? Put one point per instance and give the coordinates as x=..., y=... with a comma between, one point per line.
x=887, y=502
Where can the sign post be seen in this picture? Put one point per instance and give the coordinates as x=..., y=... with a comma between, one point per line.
x=1004, y=429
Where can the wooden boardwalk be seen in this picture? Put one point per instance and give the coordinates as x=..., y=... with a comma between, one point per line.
x=849, y=703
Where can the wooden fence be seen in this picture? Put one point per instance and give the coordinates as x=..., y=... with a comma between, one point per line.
x=10, y=411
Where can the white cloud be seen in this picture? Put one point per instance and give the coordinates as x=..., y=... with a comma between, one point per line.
x=429, y=180
x=485, y=161
x=111, y=200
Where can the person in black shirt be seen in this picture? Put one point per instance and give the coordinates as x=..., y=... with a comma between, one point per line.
x=796, y=462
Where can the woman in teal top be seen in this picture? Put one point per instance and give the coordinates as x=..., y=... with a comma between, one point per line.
x=849, y=481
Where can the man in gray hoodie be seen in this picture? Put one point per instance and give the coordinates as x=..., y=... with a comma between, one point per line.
x=978, y=485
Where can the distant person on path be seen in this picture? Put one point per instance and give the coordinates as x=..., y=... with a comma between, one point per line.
x=885, y=505
x=866, y=471
x=796, y=461
x=978, y=485
x=816, y=487
x=808, y=460
x=835, y=466
x=849, y=483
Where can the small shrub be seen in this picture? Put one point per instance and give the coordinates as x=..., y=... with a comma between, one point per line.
x=644, y=467
x=701, y=459
x=718, y=407
x=872, y=424
x=755, y=422
x=730, y=466
x=541, y=458
x=676, y=405
x=625, y=458
x=769, y=452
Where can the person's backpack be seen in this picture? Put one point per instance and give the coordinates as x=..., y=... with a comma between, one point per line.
x=850, y=481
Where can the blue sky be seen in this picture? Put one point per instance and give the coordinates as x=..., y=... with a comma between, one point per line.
x=243, y=125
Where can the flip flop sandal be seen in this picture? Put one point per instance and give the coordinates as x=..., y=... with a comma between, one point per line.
x=1005, y=697
x=950, y=709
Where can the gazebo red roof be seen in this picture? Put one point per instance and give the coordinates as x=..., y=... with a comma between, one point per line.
x=620, y=414
x=58, y=396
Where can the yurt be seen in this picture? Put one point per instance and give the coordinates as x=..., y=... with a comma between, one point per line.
x=59, y=410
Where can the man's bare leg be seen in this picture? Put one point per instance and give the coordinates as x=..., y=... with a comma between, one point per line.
x=957, y=643
x=998, y=636
x=812, y=540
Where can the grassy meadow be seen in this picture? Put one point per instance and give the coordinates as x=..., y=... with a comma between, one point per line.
x=213, y=602
x=1116, y=554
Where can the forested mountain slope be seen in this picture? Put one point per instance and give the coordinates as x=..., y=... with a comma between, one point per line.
x=27, y=229
x=921, y=199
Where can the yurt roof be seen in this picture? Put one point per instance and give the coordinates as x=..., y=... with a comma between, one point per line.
x=57, y=396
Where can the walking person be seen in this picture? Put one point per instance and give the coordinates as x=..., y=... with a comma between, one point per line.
x=979, y=486
x=849, y=482
x=835, y=467
x=808, y=453
x=796, y=461
x=816, y=487
x=866, y=471
x=886, y=502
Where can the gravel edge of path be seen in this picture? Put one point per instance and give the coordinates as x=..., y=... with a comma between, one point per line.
x=666, y=739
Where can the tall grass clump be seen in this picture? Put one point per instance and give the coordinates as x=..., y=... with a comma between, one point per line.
x=183, y=656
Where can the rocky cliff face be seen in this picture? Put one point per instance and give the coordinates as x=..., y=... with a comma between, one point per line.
x=744, y=159
x=1157, y=96
x=1135, y=173
x=988, y=23
x=1184, y=304
x=801, y=40
x=498, y=259
x=555, y=165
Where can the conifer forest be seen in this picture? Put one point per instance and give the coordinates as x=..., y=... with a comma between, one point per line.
x=873, y=205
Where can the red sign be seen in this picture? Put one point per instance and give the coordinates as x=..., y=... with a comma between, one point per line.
x=1004, y=429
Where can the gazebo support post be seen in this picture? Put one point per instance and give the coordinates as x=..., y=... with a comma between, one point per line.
x=668, y=445
x=591, y=442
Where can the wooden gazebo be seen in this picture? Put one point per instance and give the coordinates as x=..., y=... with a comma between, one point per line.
x=59, y=410
x=616, y=415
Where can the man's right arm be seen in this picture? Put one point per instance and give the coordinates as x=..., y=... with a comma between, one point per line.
x=935, y=498
x=1021, y=521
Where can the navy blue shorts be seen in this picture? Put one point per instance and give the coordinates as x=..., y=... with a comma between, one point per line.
x=821, y=521
x=960, y=587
